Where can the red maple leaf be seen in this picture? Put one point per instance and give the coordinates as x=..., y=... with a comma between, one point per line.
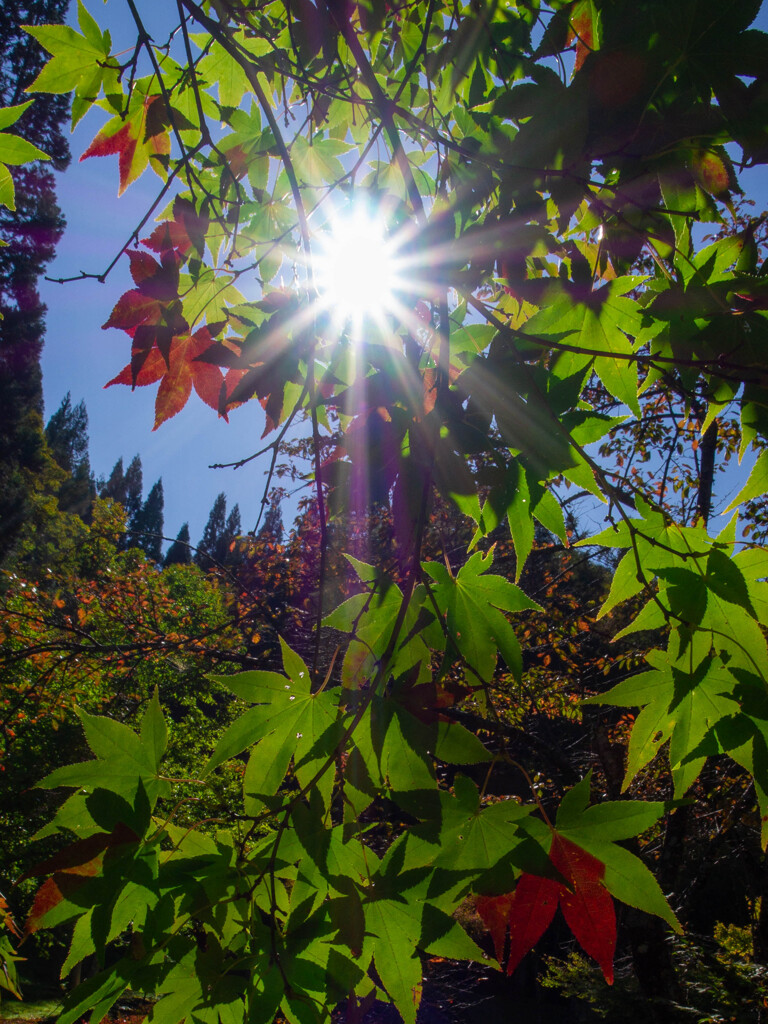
x=150, y=313
x=585, y=902
x=139, y=138
x=177, y=378
x=186, y=230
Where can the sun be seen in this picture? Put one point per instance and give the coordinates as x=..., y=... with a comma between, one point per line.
x=356, y=269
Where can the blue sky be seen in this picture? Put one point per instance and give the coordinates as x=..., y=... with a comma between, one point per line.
x=80, y=357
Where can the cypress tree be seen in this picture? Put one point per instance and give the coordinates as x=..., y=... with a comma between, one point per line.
x=114, y=488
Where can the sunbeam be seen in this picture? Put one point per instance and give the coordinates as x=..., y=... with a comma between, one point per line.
x=356, y=269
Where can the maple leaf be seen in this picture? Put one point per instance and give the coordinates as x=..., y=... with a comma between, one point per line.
x=13, y=150
x=186, y=230
x=151, y=312
x=6, y=919
x=583, y=29
x=494, y=913
x=137, y=140
x=71, y=868
x=585, y=902
x=80, y=61
x=177, y=378
x=587, y=907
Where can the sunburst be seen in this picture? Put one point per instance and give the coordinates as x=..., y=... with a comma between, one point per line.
x=356, y=270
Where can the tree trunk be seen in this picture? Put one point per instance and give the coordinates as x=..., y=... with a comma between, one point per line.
x=707, y=472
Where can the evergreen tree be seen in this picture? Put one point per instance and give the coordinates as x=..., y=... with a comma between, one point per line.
x=148, y=527
x=272, y=529
x=114, y=488
x=67, y=434
x=126, y=486
x=232, y=531
x=31, y=232
x=67, y=437
x=133, y=489
x=210, y=546
x=179, y=553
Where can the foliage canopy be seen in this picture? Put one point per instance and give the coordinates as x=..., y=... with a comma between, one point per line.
x=540, y=172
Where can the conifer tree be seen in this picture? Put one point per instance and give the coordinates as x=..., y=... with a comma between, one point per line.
x=134, y=487
x=67, y=434
x=180, y=552
x=30, y=233
x=148, y=528
x=210, y=545
x=67, y=437
x=272, y=528
x=232, y=531
x=114, y=487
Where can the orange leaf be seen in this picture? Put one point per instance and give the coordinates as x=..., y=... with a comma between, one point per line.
x=7, y=920
x=494, y=913
x=184, y=372
x=150, y=373
x=583, y=31
x=711, y=172
x=175, y=388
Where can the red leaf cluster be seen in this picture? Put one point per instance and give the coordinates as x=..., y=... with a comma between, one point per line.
x=162, y=347
x=585, y=902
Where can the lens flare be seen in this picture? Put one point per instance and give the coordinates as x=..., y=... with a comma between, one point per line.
x=355, y=269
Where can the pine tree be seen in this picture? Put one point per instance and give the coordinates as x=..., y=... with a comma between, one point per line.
x=210, y=546
x=148, y=527
x=180, y=552
x=67, y=434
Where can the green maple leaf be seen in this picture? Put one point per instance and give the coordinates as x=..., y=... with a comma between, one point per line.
x=124, y=761
x=600, y=325
x=287, y=723
x=475, y=605
x=372, y=616
x=80, y=62
x=679, y=704
x=14, y=150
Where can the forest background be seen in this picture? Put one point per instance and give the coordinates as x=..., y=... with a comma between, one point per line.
x=472, y=728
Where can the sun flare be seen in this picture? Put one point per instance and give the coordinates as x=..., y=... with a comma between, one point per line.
x=355, y=269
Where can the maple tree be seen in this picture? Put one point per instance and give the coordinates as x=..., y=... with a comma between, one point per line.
x=525, y=162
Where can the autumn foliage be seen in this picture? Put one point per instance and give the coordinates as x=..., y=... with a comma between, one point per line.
x=513, y=476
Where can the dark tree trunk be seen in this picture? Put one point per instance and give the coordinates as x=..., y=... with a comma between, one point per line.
x=707, y=472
